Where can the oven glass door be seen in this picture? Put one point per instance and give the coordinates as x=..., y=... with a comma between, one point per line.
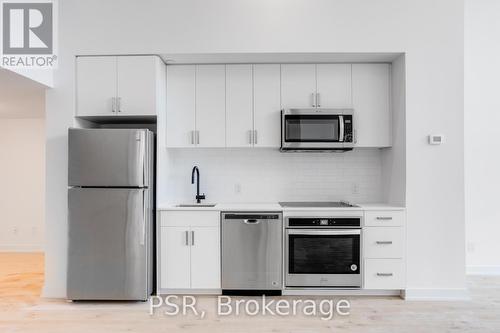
x=312, y=128
x=319, y=252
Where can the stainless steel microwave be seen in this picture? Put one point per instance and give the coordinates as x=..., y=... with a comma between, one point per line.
x=317, y=130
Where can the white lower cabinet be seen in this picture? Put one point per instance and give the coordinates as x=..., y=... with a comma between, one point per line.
x=384, y=274
x=189, y=250
x=175, y=257
x=384, y=244
x=205, y=258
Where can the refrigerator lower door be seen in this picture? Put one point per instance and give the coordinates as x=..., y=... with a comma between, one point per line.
x=108, y=244
x=108, y=157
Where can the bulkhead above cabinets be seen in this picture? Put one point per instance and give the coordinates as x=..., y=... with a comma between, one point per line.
x=238, y=105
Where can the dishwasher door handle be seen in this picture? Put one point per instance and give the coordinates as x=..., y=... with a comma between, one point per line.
x=251, y=221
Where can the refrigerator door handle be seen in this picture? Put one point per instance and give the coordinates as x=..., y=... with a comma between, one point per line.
x=140, y=139
x=144, y=217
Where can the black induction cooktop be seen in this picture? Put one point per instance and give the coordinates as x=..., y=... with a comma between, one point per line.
x=316, y=204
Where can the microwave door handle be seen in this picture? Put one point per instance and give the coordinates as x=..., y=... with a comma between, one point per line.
x=341, y=128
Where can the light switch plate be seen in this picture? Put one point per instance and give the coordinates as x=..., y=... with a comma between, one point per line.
x=436, y=139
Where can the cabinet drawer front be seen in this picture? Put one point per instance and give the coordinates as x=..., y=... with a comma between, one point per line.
x=190, y=218
x=384, y=218
x=385, y=242
x=384, y=274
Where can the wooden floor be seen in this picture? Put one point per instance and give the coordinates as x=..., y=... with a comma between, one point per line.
x=22, y=310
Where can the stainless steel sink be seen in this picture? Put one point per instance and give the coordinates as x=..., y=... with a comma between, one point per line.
x=195, y=205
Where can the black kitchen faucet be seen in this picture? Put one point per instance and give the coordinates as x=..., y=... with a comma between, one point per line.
x=199, y=196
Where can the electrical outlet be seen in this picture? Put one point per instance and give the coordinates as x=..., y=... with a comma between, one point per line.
x=354, y=188
x=15, y=230
x=471, y=247
x=237, y=188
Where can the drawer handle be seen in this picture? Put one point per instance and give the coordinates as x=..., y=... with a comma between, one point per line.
x=385, y=274
x=383, y=242
x=384, y=218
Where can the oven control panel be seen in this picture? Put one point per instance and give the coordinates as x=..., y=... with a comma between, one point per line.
x=322, y=222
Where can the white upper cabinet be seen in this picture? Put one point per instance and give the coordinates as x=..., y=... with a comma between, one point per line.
x=137, y=91
x=239, y=115
x=239, y=105
x=333, y=86
x=96, y=86
x=298, y=86
x=119, y=86
x=266, y=105
x=371, y=103
x=180, y=106
x=210, y=106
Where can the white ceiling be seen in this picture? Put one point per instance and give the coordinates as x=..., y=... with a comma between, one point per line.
x=20, y=97
x=253, y=58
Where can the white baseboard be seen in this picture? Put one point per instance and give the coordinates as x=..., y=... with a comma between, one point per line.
x=20, y=248
x=483, y=270
x=435, y=294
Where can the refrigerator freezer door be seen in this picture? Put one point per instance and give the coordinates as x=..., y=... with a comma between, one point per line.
x=108, y=244
x=108, y=157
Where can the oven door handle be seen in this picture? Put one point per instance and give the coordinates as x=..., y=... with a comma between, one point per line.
x=323, y=232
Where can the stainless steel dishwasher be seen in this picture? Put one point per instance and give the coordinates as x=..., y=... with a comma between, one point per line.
x=252, y=248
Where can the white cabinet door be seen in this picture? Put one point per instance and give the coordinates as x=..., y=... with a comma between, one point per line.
x=370, y=98
x=180, y=106
x=95, y=86
x=385, y=218
x=137, y=85
x=239, y=120
x=205, y=258
x=298, y=86
x=333, y=85
x=175, y=258
x=210, y=105
x=266, y=105
x=384, y=274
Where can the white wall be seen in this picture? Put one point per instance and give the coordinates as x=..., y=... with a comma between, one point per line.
x=22, y=175
x=430, y=32
x=266, y=175
x=482, y=141
x=22, y=167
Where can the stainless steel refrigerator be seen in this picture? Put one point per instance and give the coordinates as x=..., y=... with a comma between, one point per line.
x=111, y=214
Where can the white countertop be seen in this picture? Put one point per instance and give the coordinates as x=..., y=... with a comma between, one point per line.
x=269, y=207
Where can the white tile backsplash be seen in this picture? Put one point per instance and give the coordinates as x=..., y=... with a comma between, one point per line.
x=266, y=175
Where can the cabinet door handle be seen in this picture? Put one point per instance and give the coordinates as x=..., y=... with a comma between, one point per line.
x=312, y=100
x=384, y=218
x=197, y=137
x=192, y=137
x=119, y=104
x=250, y=138
x=192, y=238
x=113, y=104
x=383, y=242
x=186, y=233
x=317, y=100
x=385, y=274
x=255, y=137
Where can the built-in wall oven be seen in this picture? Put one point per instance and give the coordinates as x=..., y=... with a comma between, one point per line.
x=317, y=129
x=323, y=251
